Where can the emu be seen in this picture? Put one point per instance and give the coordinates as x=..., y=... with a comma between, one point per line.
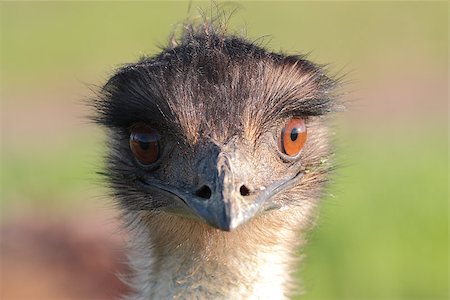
x=218, y=153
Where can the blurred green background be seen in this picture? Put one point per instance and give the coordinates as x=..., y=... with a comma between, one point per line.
x=383, y=227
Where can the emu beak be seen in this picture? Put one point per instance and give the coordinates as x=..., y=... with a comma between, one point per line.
x=223, y=199
x=229, y=207
x=226, y=207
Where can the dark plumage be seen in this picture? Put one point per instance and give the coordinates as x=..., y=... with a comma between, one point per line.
x=219, y=104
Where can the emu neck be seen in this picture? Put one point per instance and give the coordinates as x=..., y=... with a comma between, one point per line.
x=180, y=258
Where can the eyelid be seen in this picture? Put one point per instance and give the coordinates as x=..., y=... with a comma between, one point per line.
x=292, y=159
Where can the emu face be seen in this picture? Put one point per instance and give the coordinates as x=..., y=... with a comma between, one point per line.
x=216, y=129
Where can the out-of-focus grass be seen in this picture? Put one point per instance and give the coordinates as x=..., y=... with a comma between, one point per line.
x=43, y=37
x=56, y=177
x=385, y=233
x=55, y=38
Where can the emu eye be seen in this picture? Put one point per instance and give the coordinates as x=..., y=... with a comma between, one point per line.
x=293, y=137
x=144, y=143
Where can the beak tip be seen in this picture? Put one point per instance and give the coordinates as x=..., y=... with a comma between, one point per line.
x=228, y=225
x=220, y=215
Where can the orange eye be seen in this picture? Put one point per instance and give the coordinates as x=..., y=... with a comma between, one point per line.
x=293, y=137
x=144, y=143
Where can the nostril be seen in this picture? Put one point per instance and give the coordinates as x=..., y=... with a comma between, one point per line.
x=204, y=192
x=244, y=190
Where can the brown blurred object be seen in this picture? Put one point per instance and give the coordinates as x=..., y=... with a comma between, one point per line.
x=42, y=259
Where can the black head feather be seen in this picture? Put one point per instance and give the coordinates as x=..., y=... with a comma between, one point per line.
x=215, y=85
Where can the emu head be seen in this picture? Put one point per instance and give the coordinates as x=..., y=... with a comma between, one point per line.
x=216, y=129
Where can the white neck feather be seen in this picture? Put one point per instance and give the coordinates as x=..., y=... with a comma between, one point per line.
x=177, y=258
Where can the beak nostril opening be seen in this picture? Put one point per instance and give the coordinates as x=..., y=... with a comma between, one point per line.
x=244, y=190
x=204, y=192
